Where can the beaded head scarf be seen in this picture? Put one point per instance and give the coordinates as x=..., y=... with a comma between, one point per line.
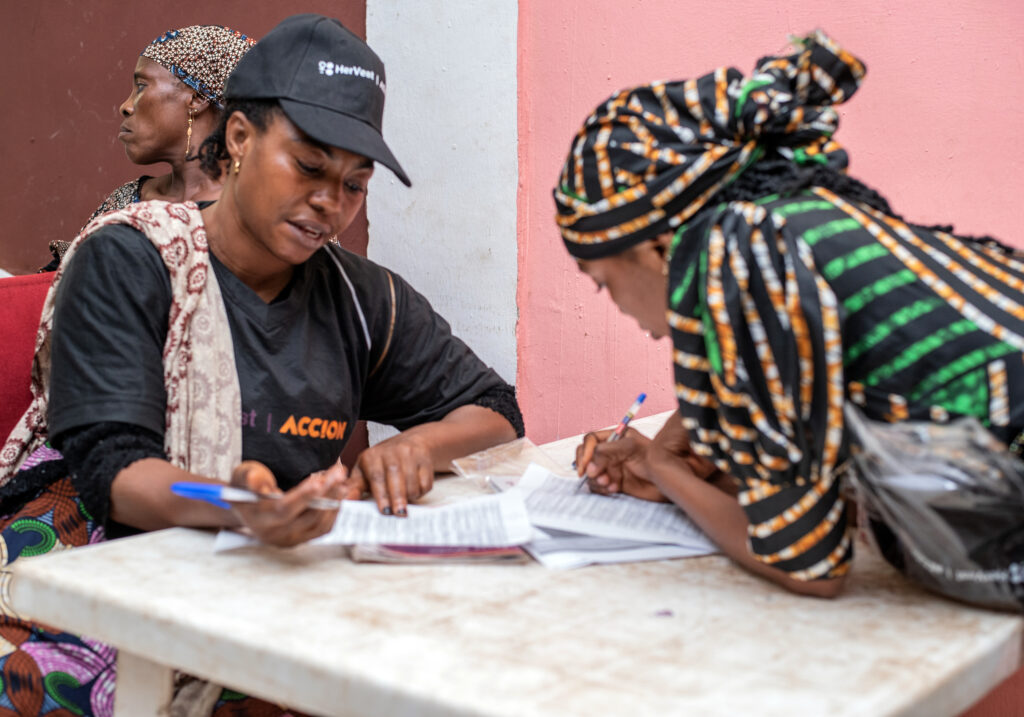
x=201, y=56
x=648, y=158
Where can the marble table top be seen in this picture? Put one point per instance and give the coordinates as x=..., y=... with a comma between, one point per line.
x=310, y=628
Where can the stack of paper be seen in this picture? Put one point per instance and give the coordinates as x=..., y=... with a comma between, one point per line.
x=416, y=554
x=488, y=521
x=558, y=525
x=484, y=522
x=574, y=528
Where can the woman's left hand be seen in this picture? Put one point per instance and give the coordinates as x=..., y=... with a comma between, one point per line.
x=289, y=520
x=670, y=455
x=396, y=471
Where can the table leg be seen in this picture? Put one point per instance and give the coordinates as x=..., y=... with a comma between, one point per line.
x=143, y=687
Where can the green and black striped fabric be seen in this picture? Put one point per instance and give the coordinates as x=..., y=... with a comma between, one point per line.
x=648, y=158
x=783, y=309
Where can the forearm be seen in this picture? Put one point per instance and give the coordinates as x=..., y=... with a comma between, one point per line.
x=465, y=430
x=721, y=517
x=140, y=496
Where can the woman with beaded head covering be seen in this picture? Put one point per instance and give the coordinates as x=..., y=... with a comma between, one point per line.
x=176, y=101
x=717, y=210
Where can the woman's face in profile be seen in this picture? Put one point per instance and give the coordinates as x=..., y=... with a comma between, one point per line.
x=155, y=115
x=636, y=282
x=293, y=192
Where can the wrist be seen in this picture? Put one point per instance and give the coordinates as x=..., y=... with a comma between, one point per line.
x=664, y=467
x=426, y=437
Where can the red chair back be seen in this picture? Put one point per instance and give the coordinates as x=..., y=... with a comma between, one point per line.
x=21, y=303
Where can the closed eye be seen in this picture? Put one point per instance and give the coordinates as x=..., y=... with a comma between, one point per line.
x=309, y=169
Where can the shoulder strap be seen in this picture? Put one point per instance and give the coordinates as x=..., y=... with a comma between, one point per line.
x=332, y=252
x=391, y=324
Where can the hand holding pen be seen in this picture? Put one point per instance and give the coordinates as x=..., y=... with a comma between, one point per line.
x=224, y=496
x=621, y=428
x=609, y=463
x=278, y=518
x=290, y=520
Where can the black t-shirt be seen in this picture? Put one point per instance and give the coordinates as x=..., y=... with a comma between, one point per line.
x=326, y=352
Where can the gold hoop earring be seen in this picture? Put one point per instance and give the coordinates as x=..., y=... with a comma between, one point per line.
x=188, y=133
x=238, y=165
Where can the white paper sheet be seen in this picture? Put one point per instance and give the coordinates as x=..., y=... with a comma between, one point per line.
x=560, y=550
x=488, y=521
x=554, y=502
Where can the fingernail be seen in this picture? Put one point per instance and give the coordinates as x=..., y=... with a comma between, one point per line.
x=401, y=513
x=387, y=510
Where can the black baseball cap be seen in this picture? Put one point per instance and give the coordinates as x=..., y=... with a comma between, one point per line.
x=327, y=81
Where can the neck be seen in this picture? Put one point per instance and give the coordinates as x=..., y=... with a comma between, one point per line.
x=185, y=182
x=233, y=244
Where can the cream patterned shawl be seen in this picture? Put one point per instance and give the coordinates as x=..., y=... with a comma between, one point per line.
x=203, y=431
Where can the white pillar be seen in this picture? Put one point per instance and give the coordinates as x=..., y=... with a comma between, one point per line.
x=450, y=118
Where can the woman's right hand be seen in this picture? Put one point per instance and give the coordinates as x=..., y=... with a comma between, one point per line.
x=617, y=467
x=288, y=521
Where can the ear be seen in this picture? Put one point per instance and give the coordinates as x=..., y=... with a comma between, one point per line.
x=239, y=133
x=650, y=252
x=198, y=103
x=662, y=243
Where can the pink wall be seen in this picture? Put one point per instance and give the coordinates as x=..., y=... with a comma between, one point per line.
x=934, y=127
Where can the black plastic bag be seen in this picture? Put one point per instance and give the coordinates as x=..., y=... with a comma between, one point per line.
x=945, y=504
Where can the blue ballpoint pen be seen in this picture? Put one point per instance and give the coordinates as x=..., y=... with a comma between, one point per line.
x=621, y=428
x=223, y=496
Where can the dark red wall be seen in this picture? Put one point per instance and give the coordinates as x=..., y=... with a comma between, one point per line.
x=67, y=66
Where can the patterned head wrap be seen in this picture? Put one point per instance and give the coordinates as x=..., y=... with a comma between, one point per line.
x=650, y=157
x=201, y=56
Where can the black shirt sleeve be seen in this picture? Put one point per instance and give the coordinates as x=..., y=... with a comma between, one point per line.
x=107, y=399
x=110, y=324
x=96, y=454
x=427, y=372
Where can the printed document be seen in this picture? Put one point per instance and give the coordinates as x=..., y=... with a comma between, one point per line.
x=559, y=550
x=555, y=502
x=488, y=521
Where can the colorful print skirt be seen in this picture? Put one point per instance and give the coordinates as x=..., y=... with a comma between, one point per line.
x=44, y=671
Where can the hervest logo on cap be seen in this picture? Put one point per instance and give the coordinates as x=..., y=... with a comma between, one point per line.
x=330, y=69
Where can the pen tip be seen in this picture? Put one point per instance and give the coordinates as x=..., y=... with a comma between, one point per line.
x=641, y=397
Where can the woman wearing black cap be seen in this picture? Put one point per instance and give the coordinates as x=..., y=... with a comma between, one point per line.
x=231, y=342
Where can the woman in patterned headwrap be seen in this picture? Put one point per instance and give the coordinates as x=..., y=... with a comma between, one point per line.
x=176, y=102
x=717, y=210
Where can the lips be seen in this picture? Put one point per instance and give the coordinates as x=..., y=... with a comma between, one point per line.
x=122, y=131
x=312, y=231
